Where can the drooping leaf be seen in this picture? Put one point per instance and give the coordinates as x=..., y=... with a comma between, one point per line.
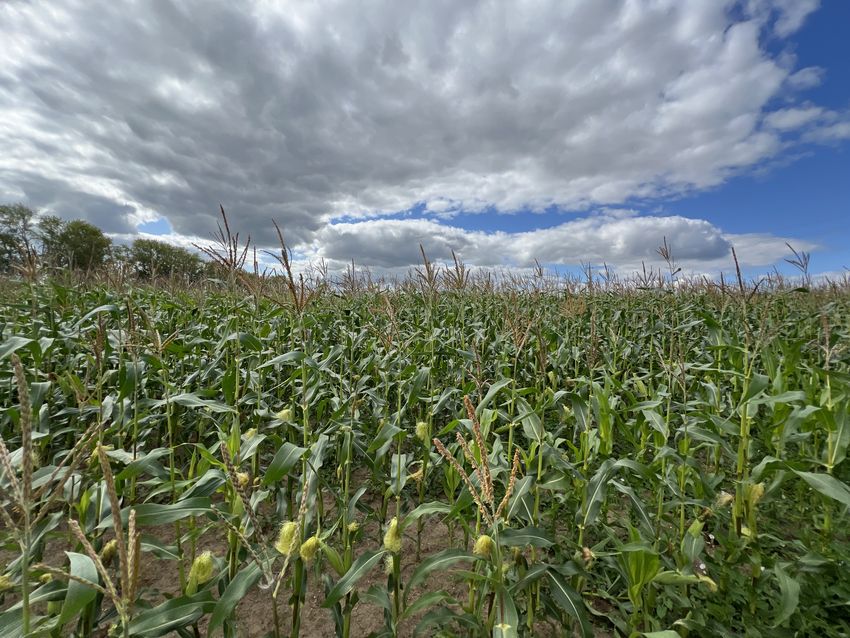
x=427, y=600
x=520, y=506
x=526, y=537
x=532, y=426
x=287, y=456
x=789, y=595
x=192, y=400
x=12, y=344
x=595, y=493
x=827, y=485
x=491, y=393
x=235, y=592
x=78, y=594
x=437, y=562
x=443, y=617
x=570, y=601
x=637, y=505
x=172, y=615
x=426, y=509
x=359, y=568
x=160, y=514
x=96, y=311
x=290, y=357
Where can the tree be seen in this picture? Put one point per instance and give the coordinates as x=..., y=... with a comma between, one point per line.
x=64, y=244
x=81, y=245
x=50, y=228
x=16, y=235
x=151, y=259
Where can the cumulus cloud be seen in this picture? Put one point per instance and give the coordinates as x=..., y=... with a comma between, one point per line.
x=619, y=238
x=314, y=112
x=817, y=125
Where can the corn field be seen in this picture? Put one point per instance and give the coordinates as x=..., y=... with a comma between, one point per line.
x=424, y=462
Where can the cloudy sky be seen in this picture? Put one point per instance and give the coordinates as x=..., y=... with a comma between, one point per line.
x=563, y=131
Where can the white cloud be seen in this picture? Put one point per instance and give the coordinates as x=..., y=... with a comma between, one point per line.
x=834, y=132
x=620, y=239
x=787, y=16
x=793, y=118
x=310, y=112
x=807, y=78
x=792, y=14
x=122, y=113
x=181, y=241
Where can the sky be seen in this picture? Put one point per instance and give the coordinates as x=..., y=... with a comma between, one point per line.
x=565, y=132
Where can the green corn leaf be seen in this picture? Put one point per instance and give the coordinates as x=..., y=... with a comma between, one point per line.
x=520, y=506
x=192, y=400
x=290, y=357
x=827, y=485
x=427, y=600
x=334, y=559
x=491, y=393
x=534, y=574
x=286, y=458
x=426, y=509
x=506, y=623
x=443, y=618
x=358, y=569
x=758, y=383
x=12, y=624
x=656, y=422
x=438, y=562
x=54, y=590
x=384, y=438
x=13, y=344
x=156, y=514
x=96, y=311
x=172, y=615
x=532, y=426
x=595, y=493
x=205, y=485
x=637, y=506
x=416, y=385
x=378, y=596
x=570, y=601
x=78, y=595
x=789, y=595
x=235, y=592
x=526, y=537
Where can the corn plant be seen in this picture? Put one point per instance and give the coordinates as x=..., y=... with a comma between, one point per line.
x=458, y=452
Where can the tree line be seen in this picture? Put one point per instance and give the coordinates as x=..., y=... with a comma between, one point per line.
x=28, y=239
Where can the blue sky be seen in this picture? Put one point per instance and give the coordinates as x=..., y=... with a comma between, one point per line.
x=809, y=197
x=565, y=132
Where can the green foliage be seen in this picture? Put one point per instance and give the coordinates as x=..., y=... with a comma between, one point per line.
x=80, y=245
x=16, y=234
x=681, y=460
x=63, y=244
x=50, y=231
x=150, y=259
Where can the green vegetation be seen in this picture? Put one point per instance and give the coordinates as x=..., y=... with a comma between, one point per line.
x=32, y=244
x=151, y=259
x=456, y=457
